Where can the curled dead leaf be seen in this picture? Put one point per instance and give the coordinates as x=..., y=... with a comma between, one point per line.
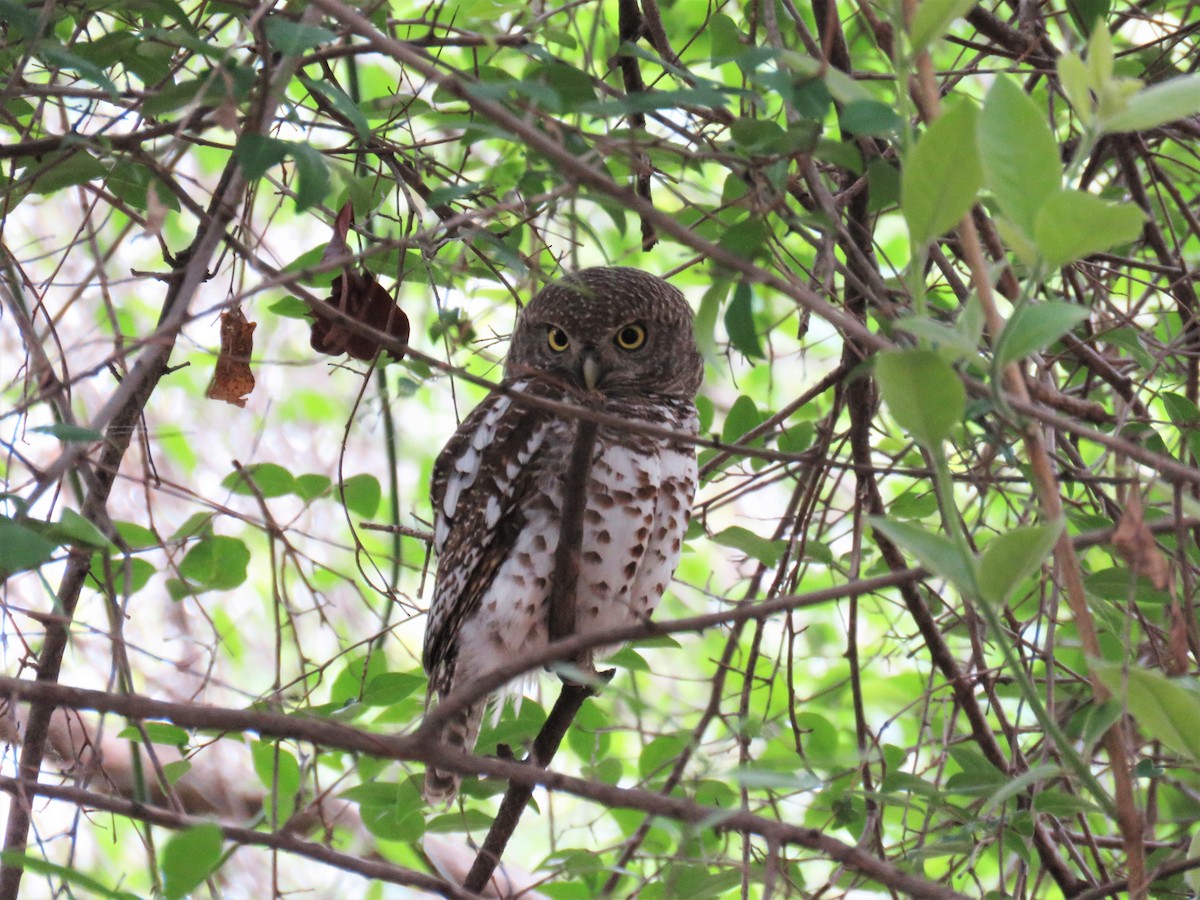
x=359, y=296
x=1135, y=544
x=232, y=380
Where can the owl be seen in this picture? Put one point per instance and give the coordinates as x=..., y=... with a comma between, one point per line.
x=615, y=340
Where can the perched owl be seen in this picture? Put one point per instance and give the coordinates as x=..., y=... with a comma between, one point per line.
x=615, y=340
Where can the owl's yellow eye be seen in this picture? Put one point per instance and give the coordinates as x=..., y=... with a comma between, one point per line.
x=631, y=337
x=557, y=339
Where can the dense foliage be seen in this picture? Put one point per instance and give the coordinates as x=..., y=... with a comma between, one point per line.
x=934, y=631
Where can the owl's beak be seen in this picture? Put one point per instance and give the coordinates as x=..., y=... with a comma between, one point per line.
x=590, y=369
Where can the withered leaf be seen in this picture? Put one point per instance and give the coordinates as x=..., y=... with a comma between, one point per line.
x=359, y=296
x=233, y=381
x=1135, y=544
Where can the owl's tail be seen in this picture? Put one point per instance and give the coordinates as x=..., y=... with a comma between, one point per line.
x=459, y=735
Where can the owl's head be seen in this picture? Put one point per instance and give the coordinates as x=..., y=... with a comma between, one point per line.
x=617, y=330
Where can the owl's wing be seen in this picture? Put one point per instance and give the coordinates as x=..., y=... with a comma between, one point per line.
x=479, y=480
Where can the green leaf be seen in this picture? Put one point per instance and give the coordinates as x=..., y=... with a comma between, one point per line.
x=1073, y=224
x=870, y=117
x=295, y=37
x=21, y=24
x=940, y=335
x=1017, y=785
x=739, y=322
x=746, y=239
x=158, y=732
x=394, y=812
x=1168, y=101
x=932, y=551
x=1011, y=557
x=70, y=433
x=59, y=56
x=270, y=479
x=65, y=874
x=189, y=858
x=1166, y=709
x=932, y=19
x=361, y=494
x=1183, y=412
x=660, y=754
x=392, y=687
x=309, y=487
x=291, y=308
x=1019, y=153
x=279, y=772
x=22, y=547
x=942, y=175
x=765, y=551
x=216, y=563
x=923, y=393
x=743, y=417
x=67, y=168
x=256, y=153
x=1034, y=327
x=313, y=183
x=74, y=529
x=128, y=575
x=725, y=39
x=342, y=103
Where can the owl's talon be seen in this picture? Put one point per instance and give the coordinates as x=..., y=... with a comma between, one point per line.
x=503, y=751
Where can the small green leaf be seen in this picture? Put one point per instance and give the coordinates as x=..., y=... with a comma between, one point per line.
x=189, y=858
x=392, y=687
x=70, y=433
x=1034, y=327
x=743, y=417
x=1183, y=412
x=939, y=335
x=942, y=175
x=765, y=551
x=1073, y=224
x=658, y=756
x=176, y=769
x=295, y=37
x=394, y=812
x=270, y=479
x=932, y=551
x=158, y=732
x=932, y=19
x=1017, y=785
x=309, y=487
x=313, y=183
x=216, y=563
x=67, y=168
x=1166, y=709
x=59, y=56
x=1157, y=105
x=870, y=117
x=739, y=322
x=746, y=239
x=65, y=874
x=361, y=494
x=290, y=308
x=21, y=24
x=74, y=529
x=1011, y=557
x=256, y=153
x=128, y=575
x=923, y=393
x=279, y=772
x=1019, y=154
